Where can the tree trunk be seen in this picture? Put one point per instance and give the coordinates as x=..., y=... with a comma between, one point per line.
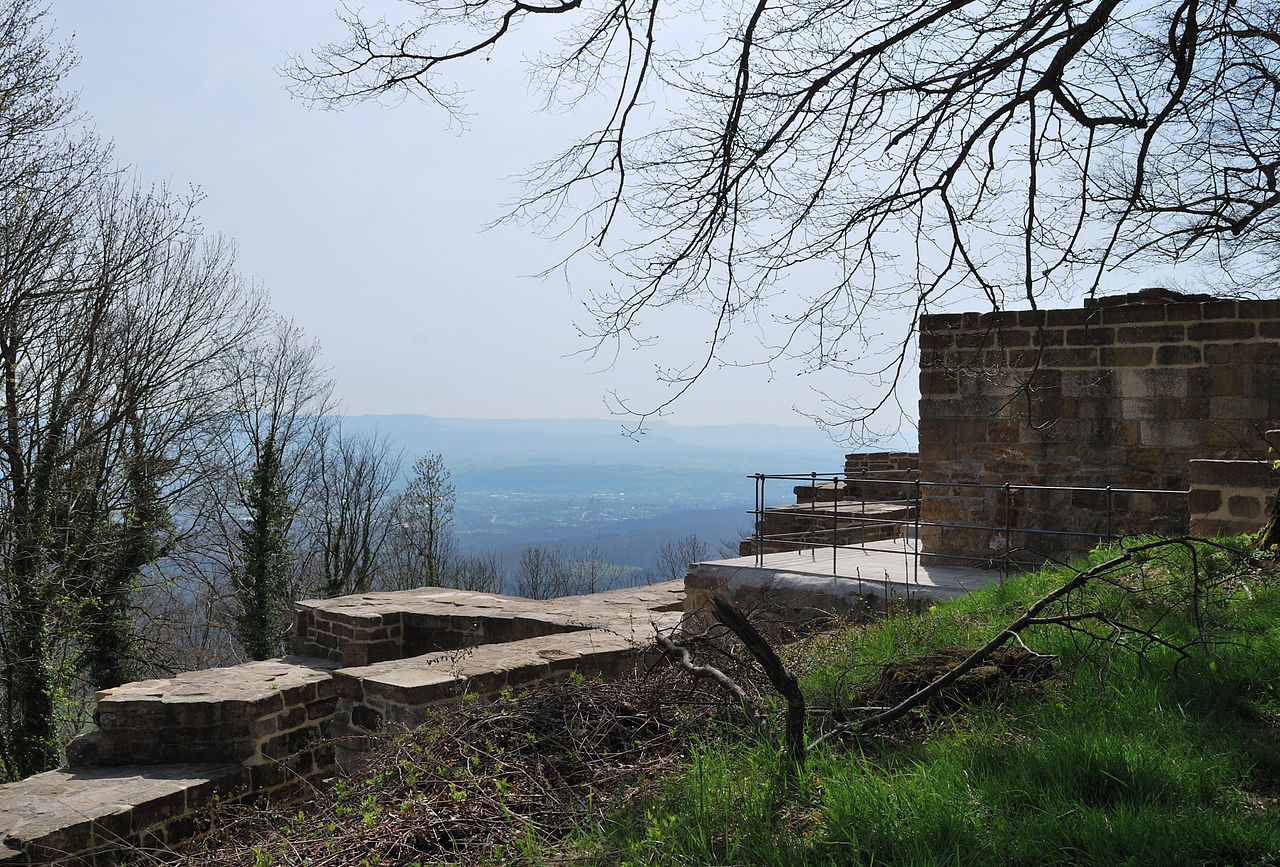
x=1270, y=538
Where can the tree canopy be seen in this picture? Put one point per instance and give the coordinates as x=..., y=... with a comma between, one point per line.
x=819, y=162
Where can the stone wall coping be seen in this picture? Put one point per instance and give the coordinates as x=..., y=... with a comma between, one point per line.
x=373, y=608
x=435, y=676
x=1234, y=473
x=1173, y=310
x=249, y=683
x=68, y=808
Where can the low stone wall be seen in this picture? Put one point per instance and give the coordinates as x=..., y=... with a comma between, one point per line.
x=880, y=462
x=394, y=696
x=777, y=598
x=799, y=527
x=363, y=630
x=787, y=590
x=251, y=714
x=167, y=749
x=870, y=477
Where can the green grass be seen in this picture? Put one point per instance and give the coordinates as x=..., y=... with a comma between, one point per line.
x=1128, y=755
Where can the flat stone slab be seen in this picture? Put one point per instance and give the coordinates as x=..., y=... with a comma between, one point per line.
x=76, y=811
x=249, y=683
x=376, y=627
x=365, y=608
x=799, y=585
x=438, y=677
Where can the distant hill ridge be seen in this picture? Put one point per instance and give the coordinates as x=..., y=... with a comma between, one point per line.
x=488, y=443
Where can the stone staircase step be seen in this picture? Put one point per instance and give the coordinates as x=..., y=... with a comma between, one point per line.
x=886, y=487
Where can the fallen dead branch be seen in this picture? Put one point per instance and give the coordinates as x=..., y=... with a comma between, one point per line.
x=782, y=678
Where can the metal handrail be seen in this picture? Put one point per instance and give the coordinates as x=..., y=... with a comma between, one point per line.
x=916, y=486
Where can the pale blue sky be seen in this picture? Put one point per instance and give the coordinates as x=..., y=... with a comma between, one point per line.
x=367, y=225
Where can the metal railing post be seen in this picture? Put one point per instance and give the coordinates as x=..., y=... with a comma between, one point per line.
x=835, y=521
x=1109, y=533
x=1008, y=535
x=759, y=516
x=862, y=528
x=813, y=509
x=919, y=504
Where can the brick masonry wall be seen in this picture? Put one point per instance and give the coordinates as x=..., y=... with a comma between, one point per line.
x=878, y=462
x=1120, y=394
x=1229, y=497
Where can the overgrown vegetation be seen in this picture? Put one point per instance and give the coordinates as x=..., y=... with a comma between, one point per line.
x=1149, y=735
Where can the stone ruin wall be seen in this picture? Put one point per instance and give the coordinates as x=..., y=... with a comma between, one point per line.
x=166, y=750
x=1123, y=392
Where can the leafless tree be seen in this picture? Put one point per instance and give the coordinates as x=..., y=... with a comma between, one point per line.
x=422, y=538
x=675, y=556
x=350, y=513
x=549, y=572
x=537, y=574
x=818, y=164
x=115, y=314
x=279, y=413
x=478, y=572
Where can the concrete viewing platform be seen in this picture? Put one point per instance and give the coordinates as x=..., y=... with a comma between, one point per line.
x=827, y=581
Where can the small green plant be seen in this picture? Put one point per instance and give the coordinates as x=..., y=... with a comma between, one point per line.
x=371, y=811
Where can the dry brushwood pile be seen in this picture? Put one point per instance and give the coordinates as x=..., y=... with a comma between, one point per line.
x=481, y=779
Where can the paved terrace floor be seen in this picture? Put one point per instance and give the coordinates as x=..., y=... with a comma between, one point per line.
x=886, y=569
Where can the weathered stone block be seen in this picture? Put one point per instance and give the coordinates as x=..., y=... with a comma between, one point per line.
x=1222, y=330
x=1257, y=309
x=1204, y=501
x=1179, y=354
x=1132, y=313
x=1225, y=309
x=1073, y=357
x=1157, y=334
x=1261, y=352
x=1090, y=336
x=1244, y=506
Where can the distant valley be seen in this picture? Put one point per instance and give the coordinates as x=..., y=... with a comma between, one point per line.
x=582, y=484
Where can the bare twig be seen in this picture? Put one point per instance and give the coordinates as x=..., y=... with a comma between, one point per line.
x=681, y=657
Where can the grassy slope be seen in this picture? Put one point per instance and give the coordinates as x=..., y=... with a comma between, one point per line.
x=1115, y=760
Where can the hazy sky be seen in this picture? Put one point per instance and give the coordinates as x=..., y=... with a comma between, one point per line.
x=367, y=225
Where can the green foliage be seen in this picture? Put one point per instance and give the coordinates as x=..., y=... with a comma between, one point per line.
x=262, y=577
